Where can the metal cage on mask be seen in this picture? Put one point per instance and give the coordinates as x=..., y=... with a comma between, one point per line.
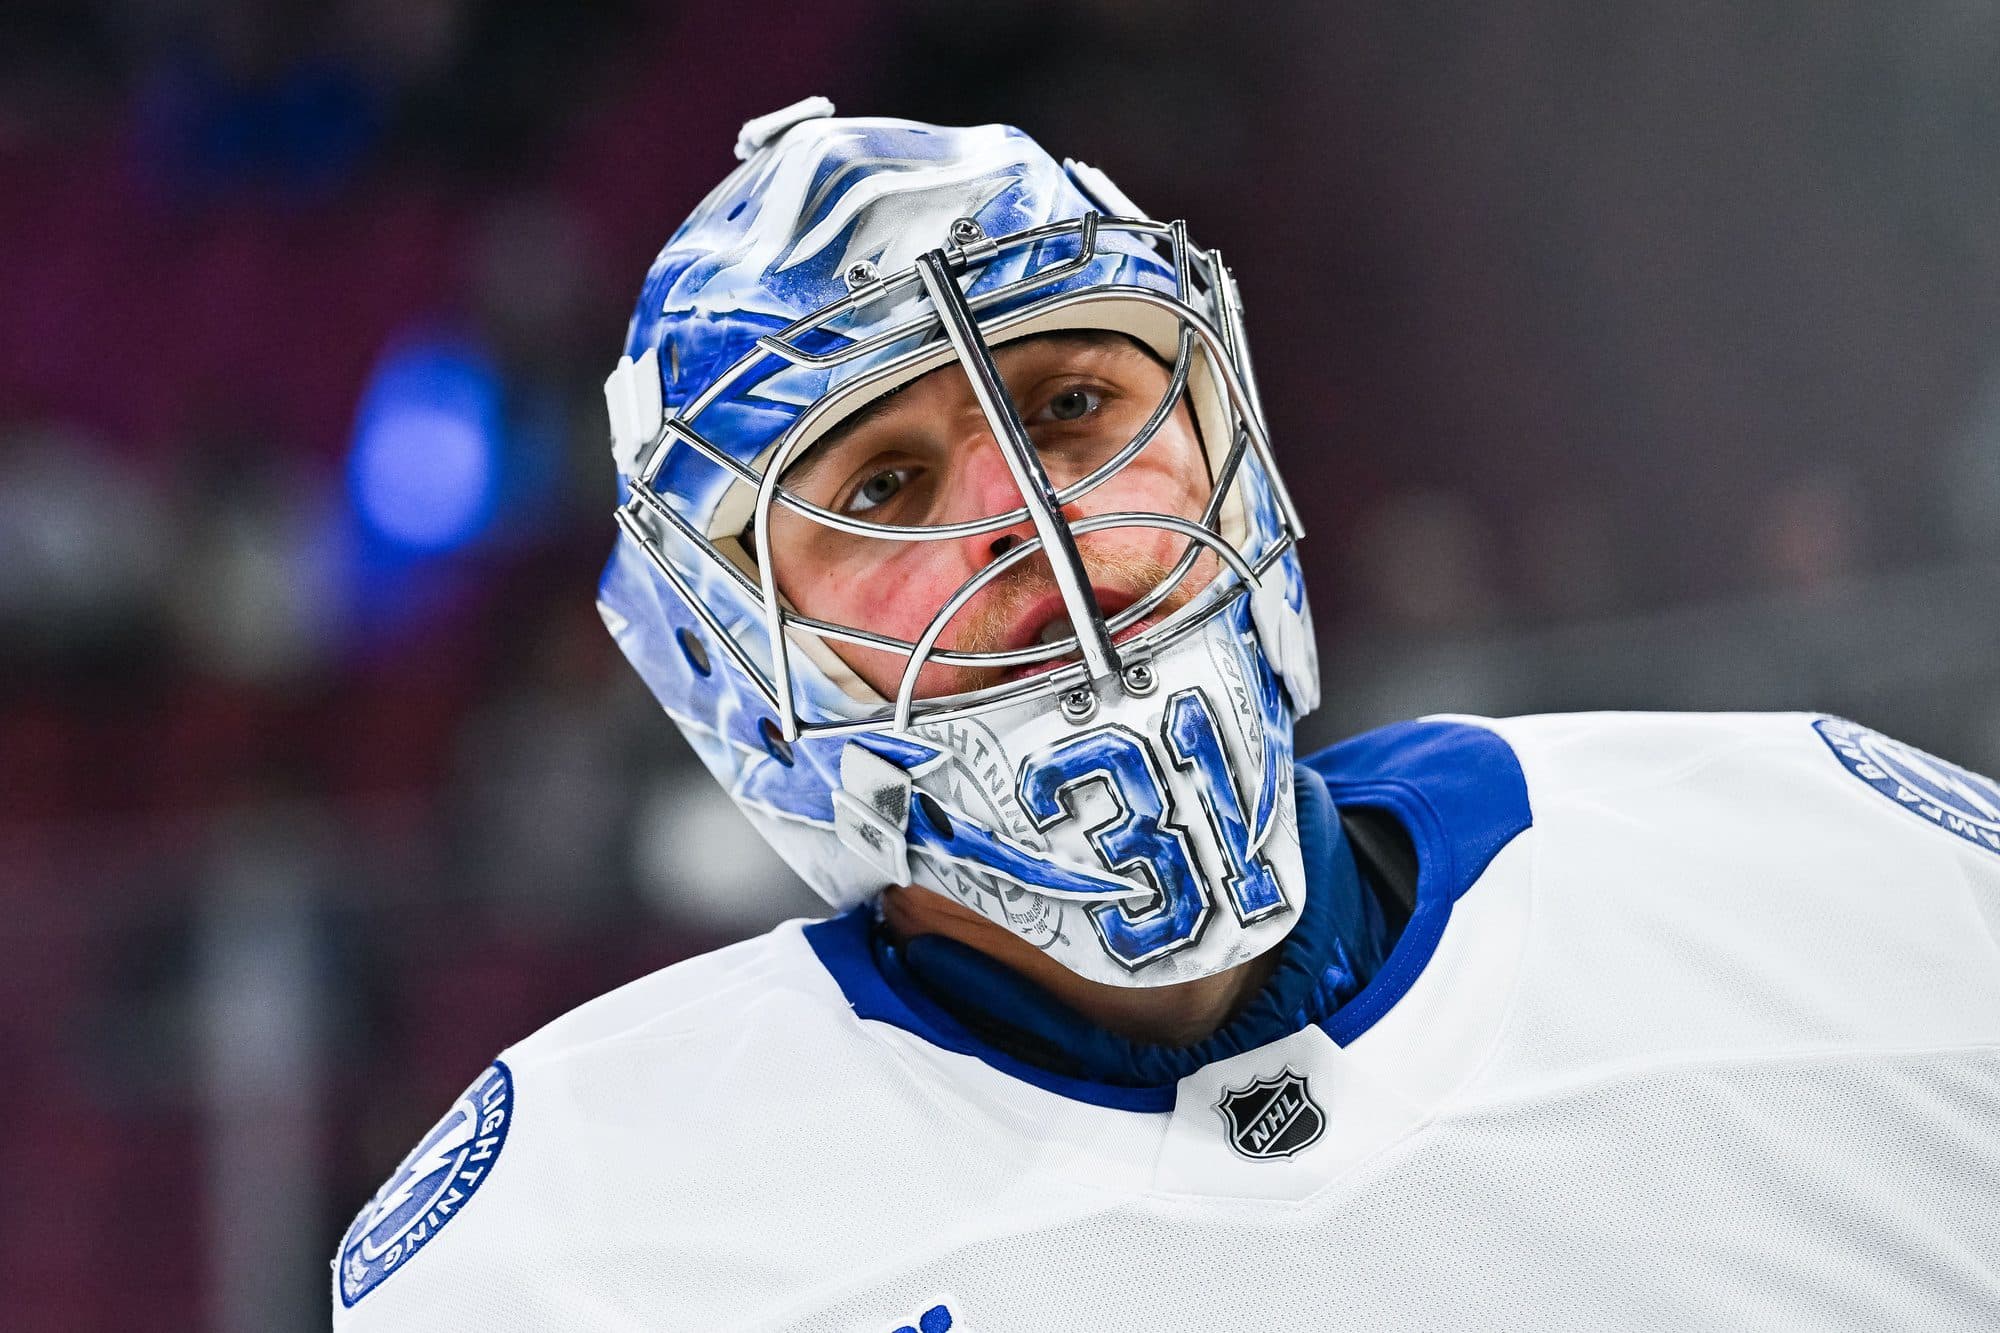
x=946, y=328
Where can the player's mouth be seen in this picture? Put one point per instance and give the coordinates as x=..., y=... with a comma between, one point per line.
x=1047, y=621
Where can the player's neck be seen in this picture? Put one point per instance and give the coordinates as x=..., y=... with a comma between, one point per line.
x=1177, y=1015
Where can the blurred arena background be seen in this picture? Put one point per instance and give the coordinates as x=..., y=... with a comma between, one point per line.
x=1621, y=355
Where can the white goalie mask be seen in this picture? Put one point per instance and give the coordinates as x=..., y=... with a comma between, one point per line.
x=1113, y=784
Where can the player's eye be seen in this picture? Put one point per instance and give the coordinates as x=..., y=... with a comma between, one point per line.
x=878, y=489
x=1071, y=404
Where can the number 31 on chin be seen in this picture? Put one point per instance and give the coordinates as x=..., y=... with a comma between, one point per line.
x=1138, y=837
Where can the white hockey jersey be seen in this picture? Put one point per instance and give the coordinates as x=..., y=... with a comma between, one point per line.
x=1696, y=1025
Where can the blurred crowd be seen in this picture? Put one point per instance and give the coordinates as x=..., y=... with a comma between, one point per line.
x=1619, y=358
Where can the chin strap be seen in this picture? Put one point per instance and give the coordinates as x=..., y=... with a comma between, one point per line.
x=877, y=817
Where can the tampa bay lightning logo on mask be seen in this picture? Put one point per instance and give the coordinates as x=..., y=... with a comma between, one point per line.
x=429, y=1188
x=1958, y=801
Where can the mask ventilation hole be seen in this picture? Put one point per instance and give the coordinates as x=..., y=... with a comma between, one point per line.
x=692, y=649
x=775, y=743
x=935, y=814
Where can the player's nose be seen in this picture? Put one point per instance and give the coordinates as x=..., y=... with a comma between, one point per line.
x=985, y=487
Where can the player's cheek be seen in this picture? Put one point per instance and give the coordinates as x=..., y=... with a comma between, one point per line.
x=1181, y=492
x=900, y=593
x=883, y=673
x=800, y=560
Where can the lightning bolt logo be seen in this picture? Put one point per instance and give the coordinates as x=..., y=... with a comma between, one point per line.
x=433, y=1160
x=430, y=1188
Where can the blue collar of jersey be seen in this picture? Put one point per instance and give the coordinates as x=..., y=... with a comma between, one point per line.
x=1338, y=942
x=1455, y=787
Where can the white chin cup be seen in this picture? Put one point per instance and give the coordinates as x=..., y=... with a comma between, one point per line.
x=1177, y=800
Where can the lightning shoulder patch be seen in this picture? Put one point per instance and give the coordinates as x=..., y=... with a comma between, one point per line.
x=1954, y=799
x=430, y=1187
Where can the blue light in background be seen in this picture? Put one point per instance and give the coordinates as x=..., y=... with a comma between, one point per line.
x=423, y=470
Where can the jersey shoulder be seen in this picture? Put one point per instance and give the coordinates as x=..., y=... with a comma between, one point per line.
x=611, y=1118
x=1752, y=768
x=706, y=1147
x=1557, y=757
x=1472, y=784
x=1730, y=887
x=1784, y=840
x=1606, y=749
x=1549, y=751
x=691, y=1001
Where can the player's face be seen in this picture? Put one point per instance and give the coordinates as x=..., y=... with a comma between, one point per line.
x=925, y=456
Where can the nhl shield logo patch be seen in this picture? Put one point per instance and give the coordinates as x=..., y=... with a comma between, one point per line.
x=1272, y=1117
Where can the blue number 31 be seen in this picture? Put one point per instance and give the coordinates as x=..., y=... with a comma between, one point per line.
x=1139, y=837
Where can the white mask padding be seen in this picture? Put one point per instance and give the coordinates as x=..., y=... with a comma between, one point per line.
x=633, y=400
x=1156, y=326
x=871, y=811
x=1099, y=188
x=1289, y=645
x=762, y=130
